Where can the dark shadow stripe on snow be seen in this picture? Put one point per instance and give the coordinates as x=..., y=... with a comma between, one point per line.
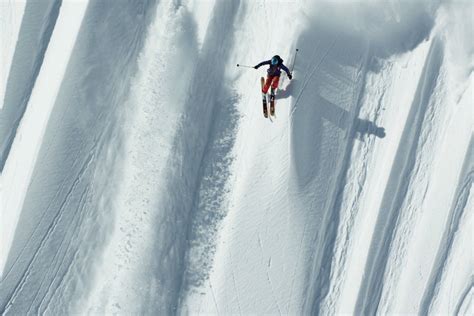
x=213, y=99
x=323, y=130
x=346, y=120
x=210, y=202
x=194, y=136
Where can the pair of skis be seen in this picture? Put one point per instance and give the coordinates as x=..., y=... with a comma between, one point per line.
x=264, y=100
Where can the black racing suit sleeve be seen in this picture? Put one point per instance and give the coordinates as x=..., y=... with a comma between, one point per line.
x=266, y=62
x=285, y=69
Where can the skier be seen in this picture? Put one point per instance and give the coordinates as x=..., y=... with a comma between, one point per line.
x=273, y=73
x=273, y=77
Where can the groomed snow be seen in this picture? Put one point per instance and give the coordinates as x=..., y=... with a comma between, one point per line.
x=139, y=175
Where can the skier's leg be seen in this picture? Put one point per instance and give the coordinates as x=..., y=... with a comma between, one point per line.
x=275, y=82
x=272, y=95
x=274, y=85
x=268, y=82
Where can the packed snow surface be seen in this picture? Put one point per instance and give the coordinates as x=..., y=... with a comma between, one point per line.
x=139, y=176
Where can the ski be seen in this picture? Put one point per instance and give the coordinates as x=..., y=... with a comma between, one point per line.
x=272, y=102
x=264, y=98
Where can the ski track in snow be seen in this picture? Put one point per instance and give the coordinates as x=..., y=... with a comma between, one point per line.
x=155, y=185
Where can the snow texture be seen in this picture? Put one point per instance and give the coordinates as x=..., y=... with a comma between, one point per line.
x=139, y=176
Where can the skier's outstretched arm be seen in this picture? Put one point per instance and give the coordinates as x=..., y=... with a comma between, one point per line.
x=266, y=62
x=287, y=71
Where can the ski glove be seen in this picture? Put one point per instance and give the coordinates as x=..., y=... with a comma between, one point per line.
x=290, y=76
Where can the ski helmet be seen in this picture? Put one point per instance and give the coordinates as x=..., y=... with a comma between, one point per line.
x=275, y=60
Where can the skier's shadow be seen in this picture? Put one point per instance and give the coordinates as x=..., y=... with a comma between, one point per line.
x=342, y=119
x=336, y=114
x=288, y=91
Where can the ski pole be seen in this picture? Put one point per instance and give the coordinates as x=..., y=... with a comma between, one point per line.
x=294, y=60
x=245, y=66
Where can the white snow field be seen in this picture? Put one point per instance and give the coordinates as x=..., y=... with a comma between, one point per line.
x=139, y=176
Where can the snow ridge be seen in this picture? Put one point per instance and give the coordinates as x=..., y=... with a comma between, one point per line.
x=22, y=78
x=444, y=252
x=321, y=273
x=396, y=189
x=170, y=133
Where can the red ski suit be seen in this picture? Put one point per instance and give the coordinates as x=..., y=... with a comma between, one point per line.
x=271, y=80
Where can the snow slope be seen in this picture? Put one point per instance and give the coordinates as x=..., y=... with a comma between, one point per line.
x=139, y=175
x=65, y=197
x=22, y=156
x=26, y=32
x=11, y=16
